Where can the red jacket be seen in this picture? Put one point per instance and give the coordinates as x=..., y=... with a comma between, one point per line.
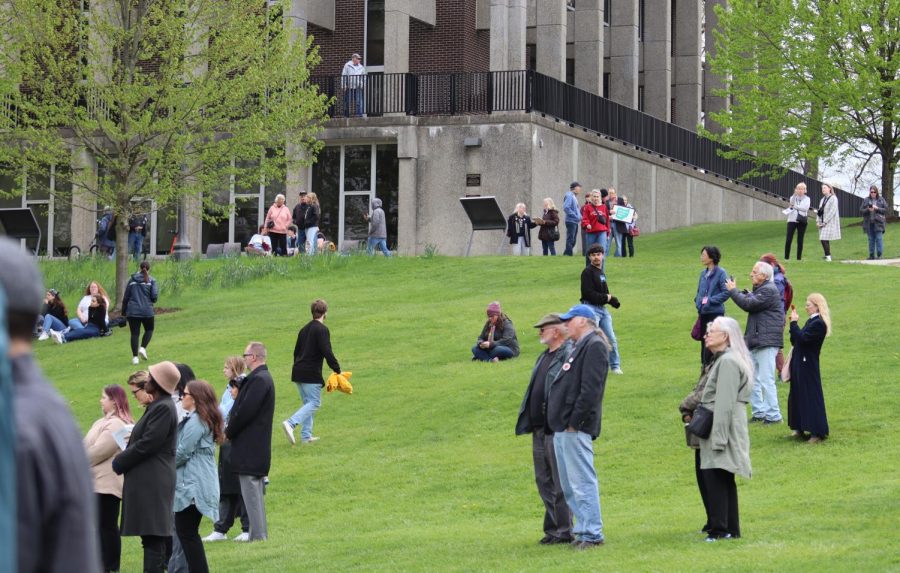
x=589, y=220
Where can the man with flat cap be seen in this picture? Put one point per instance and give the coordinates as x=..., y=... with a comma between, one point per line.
x=574, y=412
x=54, y=490
x=533, y=420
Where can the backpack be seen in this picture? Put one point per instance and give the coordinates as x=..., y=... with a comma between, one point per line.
x=102, y=226
x=788, y=294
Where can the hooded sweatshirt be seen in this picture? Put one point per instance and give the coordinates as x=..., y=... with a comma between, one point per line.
x=139, y=297
x=377, y=222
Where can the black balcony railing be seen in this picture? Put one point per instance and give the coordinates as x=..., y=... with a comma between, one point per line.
x=487, y=92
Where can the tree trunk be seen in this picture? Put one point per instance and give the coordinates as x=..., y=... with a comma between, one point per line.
x=888, y=164
x=122, y=273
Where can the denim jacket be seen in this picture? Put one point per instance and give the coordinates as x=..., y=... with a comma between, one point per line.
x=714, y=288
x=197, y=479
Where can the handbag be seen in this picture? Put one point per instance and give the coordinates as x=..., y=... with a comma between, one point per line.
x=554, y=233
x=802, y=219
x=701, y=422
x=634, y=231
x=697, y=330
x=786, y=367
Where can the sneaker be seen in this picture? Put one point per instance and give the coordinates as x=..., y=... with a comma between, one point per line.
x=828, y=258
x=215, y=536
x=289, y=432
x=713, y=539
x=754, y=420
x=242, y=538
x=135, y=360
x=617, y=371
x=142, y=352
x=771, y=422
x=311, y=439
x=582, y=545
x=57, y=337
x=44, y=336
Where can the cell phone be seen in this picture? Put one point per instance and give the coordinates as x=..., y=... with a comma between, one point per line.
x=731, y=278
x=793, y=307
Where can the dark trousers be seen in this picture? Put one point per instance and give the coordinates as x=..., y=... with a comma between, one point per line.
x=826, y=246
x=722, y=503
x=801, y=230
x=154, y=553
x=706, y=355
x=571, y=235
x=108, y=527
x=187, y=526
x=549, y=248
x=230, y=506
x=557, y=517
x=135, y=323
x=628, y=243
x=279, y=243
x=702, y=487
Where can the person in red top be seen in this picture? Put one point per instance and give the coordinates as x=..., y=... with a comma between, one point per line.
x=595, y=223
x=278, y=218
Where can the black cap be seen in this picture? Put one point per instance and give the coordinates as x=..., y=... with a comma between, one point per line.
x=574, y=184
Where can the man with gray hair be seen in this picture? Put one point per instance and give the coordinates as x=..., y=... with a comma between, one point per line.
x=533, y=420
x=764, y=335
x=353, y=80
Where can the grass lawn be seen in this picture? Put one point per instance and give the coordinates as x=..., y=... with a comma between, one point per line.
x=419, y=470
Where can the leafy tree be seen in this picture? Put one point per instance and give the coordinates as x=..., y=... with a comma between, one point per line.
x=811, y=79
x=172, y=97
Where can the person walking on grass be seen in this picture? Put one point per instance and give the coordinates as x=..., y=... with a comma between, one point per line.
x=250, y=431
x=377, y=229
x=533, y=420
x=312, y=347
x=141, y=294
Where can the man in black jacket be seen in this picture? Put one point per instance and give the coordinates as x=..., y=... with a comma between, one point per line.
x=595, y=292
x=533, y=420
x=299, y=216
x=574, y=412
x=250, y=431
x=312, y=347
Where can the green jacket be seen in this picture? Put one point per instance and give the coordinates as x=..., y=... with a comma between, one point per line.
x=726, y=394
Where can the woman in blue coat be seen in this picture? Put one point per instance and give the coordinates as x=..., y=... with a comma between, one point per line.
x=711, y=293
x=806, y=403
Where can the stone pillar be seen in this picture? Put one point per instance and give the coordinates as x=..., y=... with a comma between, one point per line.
x=297, y=173
x=687, y=63
x=711, y=82
x=623, y=52
x=551, y=38
x=518, y=17
x=499, y=35
x=658, y=60
x=396, y=42
x=296, y=20
x=589, y=45
x=407, y=193
x=84, y=201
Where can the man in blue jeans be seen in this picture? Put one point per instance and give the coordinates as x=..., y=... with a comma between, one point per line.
x=595, y=292
x=572, y=213
x=574, y=412
x=137, y=230
x=312, y=347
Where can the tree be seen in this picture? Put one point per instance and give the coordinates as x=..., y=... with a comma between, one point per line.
x=810, y=80
x=172, y=97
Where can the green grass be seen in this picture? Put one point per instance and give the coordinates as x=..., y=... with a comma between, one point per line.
x=419, y=469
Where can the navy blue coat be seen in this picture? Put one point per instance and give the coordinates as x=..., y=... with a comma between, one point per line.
x=714, y=288
x=806, y=403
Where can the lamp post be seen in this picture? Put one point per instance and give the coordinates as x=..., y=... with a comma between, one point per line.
x=182, y=249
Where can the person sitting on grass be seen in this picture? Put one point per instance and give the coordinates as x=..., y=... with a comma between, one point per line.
x=497, y=340
x=260, y=244
x=55, y=316
x=81, y=318
x=293, y=242
x=96, y=325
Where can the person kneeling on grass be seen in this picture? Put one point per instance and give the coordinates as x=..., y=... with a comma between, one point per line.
x=497, y=340
x=260, y=244
x=96, y=324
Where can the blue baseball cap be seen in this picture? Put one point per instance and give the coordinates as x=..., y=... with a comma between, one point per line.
x=579, y=310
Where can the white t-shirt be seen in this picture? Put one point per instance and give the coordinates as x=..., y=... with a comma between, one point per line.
x=257, y=240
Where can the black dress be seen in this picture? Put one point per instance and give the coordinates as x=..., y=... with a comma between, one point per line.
x=806, y=403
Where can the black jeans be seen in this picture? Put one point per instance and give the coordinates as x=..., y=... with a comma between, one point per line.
x=108, y=527
x=135, y=323
x=279, y=244
x=702, y=487
x=187, y=526
x=230, y=506
x=628, y=243
x=722, y=500
x=705, y=354
x=154, y=553
x=826, y=246
x=800, y=230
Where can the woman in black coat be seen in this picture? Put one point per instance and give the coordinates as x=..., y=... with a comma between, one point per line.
x=806, y=403
x=549, y=223
x=148, y=463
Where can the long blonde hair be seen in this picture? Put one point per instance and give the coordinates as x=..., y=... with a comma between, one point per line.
x=312, y=199
x=236, y=365
x=824, y=312
x=548, y=202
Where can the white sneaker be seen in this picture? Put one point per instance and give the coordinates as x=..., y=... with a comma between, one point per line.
x=617, y=371
x=135, y=360
x=44, y=336
x=311, y=439
x=243, y=537
x=57, y=337
x=142, y=352
x=215, y=536
x=289, y=432
x=828, y=258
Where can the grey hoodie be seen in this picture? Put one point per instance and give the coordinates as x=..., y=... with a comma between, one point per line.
x=377, y=223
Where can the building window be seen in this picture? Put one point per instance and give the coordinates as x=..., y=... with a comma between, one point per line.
x=606, y=84
x=48, y=194
x=641, y=20
x=374, y=55
x=607, y=9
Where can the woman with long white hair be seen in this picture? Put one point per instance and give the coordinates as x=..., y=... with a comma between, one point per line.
x=727, y=449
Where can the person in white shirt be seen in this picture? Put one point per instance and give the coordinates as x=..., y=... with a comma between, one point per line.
x=260, y=244
x=796, y=220
x=353, y=82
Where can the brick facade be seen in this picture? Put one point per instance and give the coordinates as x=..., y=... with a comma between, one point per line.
x=336, y=47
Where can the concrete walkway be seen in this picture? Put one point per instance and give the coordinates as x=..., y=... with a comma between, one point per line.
x=877, y=262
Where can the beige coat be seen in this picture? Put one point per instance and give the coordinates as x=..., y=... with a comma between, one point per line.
x=726, y=394
x=101, y=449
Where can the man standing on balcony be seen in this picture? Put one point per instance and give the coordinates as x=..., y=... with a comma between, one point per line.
x=353, y=81
x=573, y=216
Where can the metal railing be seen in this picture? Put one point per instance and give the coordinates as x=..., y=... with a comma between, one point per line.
x=472, y=93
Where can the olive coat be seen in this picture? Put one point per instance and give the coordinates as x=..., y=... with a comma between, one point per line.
x=727, y=393
x=148, y=463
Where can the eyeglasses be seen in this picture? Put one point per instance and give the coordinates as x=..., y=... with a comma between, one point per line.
x=248, y=355
x=137, y=389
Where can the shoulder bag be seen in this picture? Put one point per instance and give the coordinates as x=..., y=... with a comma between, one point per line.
x=701, y=422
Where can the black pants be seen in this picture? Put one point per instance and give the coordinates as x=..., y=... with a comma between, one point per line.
x=826, y=246
x=800, y=228
x=154, y=553
x=135, y=323
x=230, y=506
x=279, y=243
x=702, y=487
x=706, y=355
x=187, y=526
x=557, y=517
x=628, y=244
x=108, y=527
x=722, y=503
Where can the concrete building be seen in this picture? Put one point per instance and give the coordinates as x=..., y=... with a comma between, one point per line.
x=643, y=54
